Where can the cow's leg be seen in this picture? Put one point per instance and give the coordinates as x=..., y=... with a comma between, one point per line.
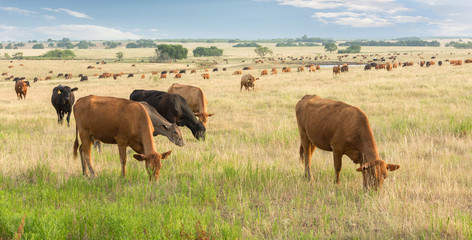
x=82, y=160
x=59, y=116
x=86, y=151
x=338, y=155
x=68, y=118
x=122, y=151
x=306, y=151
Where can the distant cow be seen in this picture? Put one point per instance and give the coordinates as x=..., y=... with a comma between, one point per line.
x=21, y=88
x=367, y=67
x=345, y=68
x=62, y=100
x=301, y=69
x=273, y=71
x=173, y=107
x=163, y=75
x=182, y=71
x=238, y=72
x=193, y=71
x=286, y=69
x=206, y=76
x=264, y=72
x=343, y=129
x=195, y=98
x=130, y=75
x=248, y=82
x=116, y=121
x=84, y=78
x=178, y=75
x=336, y=70
x=215, y=69
x=247, y=68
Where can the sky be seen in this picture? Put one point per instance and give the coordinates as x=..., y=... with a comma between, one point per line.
x=23, y=20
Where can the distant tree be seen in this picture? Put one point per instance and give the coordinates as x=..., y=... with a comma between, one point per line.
x=330, y=46
x=18, y=55
x=1, y=46
x=110, y=44
x=132, y=45
x=65, y=43
x=206, y=52
x=253, y=44
x=119, y=55
x=7, y=56
x=145, y=43
x=38, y=46
x=173, y=51
x=51, y=45
x=262, y=51
x=50, y=40
x=57, y=53
x=9, y=46
x=351, y=49
x=157, y=53
x=19, y=44
x=82, y=45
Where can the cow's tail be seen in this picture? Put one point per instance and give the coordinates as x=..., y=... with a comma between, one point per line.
x=302, y=154
x=76, y=143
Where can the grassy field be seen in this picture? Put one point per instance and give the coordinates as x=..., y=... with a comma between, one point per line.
x=245, y=181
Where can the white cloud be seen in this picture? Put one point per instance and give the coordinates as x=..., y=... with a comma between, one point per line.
x=13, y=33
x=85, y=32
x=17, y=10
x=70, y=12
x=49, y=17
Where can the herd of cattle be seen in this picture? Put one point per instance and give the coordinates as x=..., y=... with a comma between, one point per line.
x=323, y=123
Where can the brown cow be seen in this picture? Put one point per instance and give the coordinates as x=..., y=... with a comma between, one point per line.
x=264, y=72
x=274, y=71
x=143, y=76
x=21, y=88
x=178, y=75
x=163, y=75
x=193, y=71
x=206, y=76
x=343, y=129
x=336, y=70
x=238, y=72
x=248, y=81
x=96, y=119
x=286, y=69
x=195, y=98
x=154, y=72
x=389, y=67
x=48, y=77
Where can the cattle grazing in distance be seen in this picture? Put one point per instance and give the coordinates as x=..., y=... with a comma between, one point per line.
x=116, y=121
x=247, y=81
x=163, y=75
x=83, y=78
x=173, y=107
x=247, y=68
x=440, y=63
x=130, y=75
x=182, y=71
x=367, y=67
x=193, y=71
x=206, y=76
x=143, y=76
x=238, y=72
x=224, y=69
x=264, y=73
x=215, y=69
x=62, y=100
x=343, y=129
x=178, y=75
x=273, y=71
x=195, y=98
x=286, y=69
x=300, y=69
x=389, y=67
x=345, y=68
x=21, y=88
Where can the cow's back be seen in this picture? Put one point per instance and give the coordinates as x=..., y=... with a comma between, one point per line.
x=193, y=95
x=326, y=121
x=106, y=117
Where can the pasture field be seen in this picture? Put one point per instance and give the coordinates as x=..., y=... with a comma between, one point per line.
x=245, y=181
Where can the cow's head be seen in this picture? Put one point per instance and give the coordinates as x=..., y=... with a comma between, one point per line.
x=153, y=163
x=199, y=131
x=374, y=173
x=172, y=132
x=65, y=94
x=203, y=117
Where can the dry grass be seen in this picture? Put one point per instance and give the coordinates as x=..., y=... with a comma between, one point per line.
x=248, y=171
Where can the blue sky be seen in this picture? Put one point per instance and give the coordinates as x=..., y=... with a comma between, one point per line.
x=23, y=20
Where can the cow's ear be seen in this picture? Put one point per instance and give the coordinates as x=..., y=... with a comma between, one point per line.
x=392, y=167
x=363, y=167
x=74, y=89
x=139, y=157
x=210, y=114
x=166, y=154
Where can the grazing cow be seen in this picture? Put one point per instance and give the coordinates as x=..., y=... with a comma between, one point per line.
x=206, y=76
x=60, y=75
x=336, y=70
x=193, y=71
x=215, y=69
x=173, y=107
x=440, y=63
x=248, y=82
x=182, y=71
x=264, y=72
x=343, y=129
x=273, y=71
x=195, y=98
x=62, y=100
x=367, y=67
x=4, y=74
x=154, y=73
x=178, y=75
x=224, y=69
x=35, y=79
x=130, y=75
x=247, y=68
x=96, y=119
x=163, y=75
x=164, y=72
x=90, y=67
x=389, y=66
x=238, y=72
x=84, y=78
x=143, y=76
x=286, y=69
x=48, y=78
x=301, y=69
x=345, y=68
x=21, y=88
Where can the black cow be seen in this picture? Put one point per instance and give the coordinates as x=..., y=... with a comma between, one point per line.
x=62, y=99
x=164, y=72
x=83, y=78
x=440, y=63
x=367, y=67
x=130, y=75
x=183, y=71
x=215, y=69
x=173, y=107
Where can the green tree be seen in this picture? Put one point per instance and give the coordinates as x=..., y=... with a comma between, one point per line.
x=132, y=45
x=57, y=53
x=51, y=45
x=1, y=46
x=119, y=55
x=18, y=55
x=7, y=56
x=38, y=46
x=262, y=51
x=9, y=46
x=172, y=51
x=205, y=52
x=330, y=46
x=351, y=49
x=82, y=45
